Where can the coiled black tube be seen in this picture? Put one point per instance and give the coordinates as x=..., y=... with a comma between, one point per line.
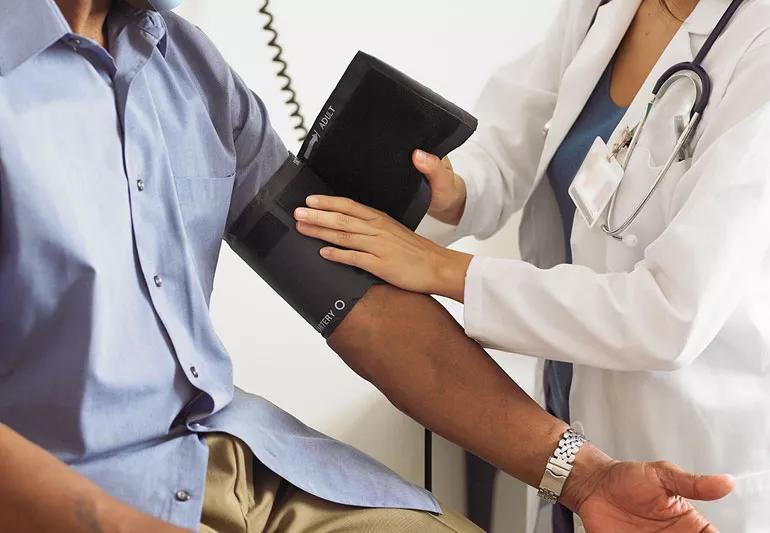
x=301, y=129
x=291, y=101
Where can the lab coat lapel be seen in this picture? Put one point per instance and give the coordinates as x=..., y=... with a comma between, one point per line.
x=682, y=48
x=598, y=48
x=705, y=16
x=580, y=79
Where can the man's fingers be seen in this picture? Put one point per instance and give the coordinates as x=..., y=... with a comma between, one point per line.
x=693, y=486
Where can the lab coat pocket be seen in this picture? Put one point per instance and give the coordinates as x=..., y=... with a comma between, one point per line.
x=204, y=204
x=653, y=218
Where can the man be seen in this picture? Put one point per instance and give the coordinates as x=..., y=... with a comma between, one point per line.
x=127, y=146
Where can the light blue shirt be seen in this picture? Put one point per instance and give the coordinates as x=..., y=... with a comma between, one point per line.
x=119, y=173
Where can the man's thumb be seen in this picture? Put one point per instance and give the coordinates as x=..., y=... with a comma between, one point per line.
x=693, y=486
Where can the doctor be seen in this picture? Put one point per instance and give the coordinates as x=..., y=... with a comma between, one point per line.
x=666, y=322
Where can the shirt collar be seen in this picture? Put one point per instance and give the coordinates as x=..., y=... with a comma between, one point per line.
x=28, y=27
x=148, y=21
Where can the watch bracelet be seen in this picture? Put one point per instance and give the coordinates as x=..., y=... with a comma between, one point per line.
x=559, y=466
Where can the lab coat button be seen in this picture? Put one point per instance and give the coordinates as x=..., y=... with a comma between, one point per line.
x=140, y=185
x=182, y=496
x=194, y=371
x=158, y=281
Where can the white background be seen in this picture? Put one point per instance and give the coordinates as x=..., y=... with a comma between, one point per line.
x=452, y=47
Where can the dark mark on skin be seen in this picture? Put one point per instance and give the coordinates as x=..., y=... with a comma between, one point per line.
x=85, y=514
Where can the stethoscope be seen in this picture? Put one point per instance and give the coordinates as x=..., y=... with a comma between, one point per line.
x=693, y=72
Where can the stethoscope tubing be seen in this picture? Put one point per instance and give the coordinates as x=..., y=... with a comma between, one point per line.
x=694, y=71
x=617, y=233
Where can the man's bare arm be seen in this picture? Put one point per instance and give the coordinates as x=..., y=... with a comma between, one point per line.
x=40, y=493
x=411, y=348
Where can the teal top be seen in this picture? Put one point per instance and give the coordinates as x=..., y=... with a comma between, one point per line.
x=599, y=118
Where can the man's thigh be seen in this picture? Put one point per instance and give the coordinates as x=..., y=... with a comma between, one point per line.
x=243, y=496
x=300, y=512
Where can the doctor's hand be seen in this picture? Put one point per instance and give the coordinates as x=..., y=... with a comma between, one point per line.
x=646, y=497
x=369, y=239
x=448, y=189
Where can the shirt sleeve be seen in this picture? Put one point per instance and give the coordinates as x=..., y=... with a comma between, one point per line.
x=259, y=150
x=499, y=163
x=665, y=312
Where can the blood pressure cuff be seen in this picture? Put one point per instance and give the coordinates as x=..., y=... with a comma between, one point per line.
x=359, y=147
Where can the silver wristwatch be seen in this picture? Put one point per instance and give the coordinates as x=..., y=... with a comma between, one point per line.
x=560, y=466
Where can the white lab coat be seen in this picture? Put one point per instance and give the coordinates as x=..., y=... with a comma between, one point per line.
x=671, y=339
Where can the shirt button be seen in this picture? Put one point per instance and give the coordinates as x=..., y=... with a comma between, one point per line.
x=182, y=496
x=140, y=185
x=194, y=371
x=158, y=281
x=195, y=426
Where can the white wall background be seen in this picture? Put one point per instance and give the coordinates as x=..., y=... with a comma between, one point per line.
x=452, y=47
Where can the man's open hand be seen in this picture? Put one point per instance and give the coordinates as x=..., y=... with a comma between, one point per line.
x=648, y=497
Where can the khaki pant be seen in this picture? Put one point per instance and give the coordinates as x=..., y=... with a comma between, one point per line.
x=244, y=497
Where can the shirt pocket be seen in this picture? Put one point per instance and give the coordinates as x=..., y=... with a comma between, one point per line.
x=653, y=218
x=204, y=203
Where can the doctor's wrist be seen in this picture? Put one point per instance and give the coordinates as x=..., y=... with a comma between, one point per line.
x=451, y=270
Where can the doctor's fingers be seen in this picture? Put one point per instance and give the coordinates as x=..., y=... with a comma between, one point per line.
x=433, y=167
x=334, y=220
x=342, y=205
x=354, y=241
x=362, y=260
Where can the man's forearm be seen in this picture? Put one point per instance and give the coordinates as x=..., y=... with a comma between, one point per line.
x=412, y=349
x=40, y=493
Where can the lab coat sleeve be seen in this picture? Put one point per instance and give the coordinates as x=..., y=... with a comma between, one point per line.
x=500, y=161
x=669, y=308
